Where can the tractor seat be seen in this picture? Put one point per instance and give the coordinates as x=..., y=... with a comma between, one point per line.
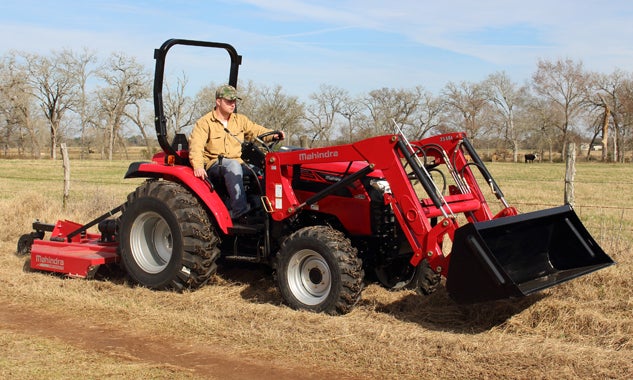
x=180, y=142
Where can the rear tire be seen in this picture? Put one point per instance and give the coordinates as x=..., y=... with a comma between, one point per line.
x=166, y=238
x=319, y=270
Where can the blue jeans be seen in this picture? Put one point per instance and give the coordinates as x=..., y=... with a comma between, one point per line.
x=231, y=171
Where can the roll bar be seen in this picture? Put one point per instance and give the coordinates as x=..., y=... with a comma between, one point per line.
x=159, y=112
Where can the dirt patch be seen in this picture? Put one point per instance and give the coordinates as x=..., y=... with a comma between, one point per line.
x=202, y=361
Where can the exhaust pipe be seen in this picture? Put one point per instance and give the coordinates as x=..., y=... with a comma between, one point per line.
x=519, y=255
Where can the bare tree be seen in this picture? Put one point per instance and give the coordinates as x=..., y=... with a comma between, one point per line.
x=386, y=106
x=429, y=114
x=544, y=119
x=352, y=112
x=610, y=99
x=322, y=111
x=277, y=110
x=179, y=108
x=599, y=117
x=506, y=97
x=565, y=83
x=52, y=82
x=469, y=102
x=137, y=115
x=8, y=118
x=16, y=107
x=624, y=115
x=126, y=85
x=204, y=101
x=80, y=66
x=250, y=94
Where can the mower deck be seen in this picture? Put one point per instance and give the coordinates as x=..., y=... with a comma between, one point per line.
x=75, y=259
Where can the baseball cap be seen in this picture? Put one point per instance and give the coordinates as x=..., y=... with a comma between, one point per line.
x=227, y=92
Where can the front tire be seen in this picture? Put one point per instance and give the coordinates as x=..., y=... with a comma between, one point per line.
x=319, y=270
x=395, y=275
x=401, y=275
x=426, y=280
x=166, y=238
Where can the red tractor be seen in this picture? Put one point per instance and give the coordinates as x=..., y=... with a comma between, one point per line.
x=404, y=214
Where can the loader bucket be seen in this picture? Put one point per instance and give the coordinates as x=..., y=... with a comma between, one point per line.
x=518, y=255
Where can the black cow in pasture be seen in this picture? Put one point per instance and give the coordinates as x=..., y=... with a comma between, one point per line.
x=530, y=157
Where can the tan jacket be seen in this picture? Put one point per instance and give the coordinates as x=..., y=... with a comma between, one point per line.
x=208, y=138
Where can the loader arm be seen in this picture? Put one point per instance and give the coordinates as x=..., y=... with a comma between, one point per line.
x=391, y=156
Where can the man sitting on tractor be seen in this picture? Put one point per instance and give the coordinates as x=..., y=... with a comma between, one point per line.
x=215, y=147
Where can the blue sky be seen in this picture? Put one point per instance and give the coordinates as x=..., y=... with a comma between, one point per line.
x=358, y=45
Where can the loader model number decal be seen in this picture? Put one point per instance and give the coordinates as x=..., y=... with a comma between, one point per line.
x=49, y=262
x=317, y=155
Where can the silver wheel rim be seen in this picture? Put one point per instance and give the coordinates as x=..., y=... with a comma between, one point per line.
x=151, y=242
x=309, y=277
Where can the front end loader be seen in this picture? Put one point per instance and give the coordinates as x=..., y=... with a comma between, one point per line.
x=434, y=195
x=327, y=220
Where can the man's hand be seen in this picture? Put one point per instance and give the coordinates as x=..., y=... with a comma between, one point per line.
x=200, y=173
x=279, y=136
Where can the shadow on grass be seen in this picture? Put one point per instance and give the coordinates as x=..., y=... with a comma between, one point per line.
x=439, y=312
x=434, y=312
x=259, y=280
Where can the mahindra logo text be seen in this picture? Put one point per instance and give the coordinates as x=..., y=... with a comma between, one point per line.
x=49, y=262
x=317, y=155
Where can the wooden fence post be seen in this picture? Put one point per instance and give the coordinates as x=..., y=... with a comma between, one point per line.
x=66, y=165
x=570, y=172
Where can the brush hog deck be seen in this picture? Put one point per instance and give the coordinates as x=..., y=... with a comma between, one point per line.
x=519, y=255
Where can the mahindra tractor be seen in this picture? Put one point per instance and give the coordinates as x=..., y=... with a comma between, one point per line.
x=329, y=220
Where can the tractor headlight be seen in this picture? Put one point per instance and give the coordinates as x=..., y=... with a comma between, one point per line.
x=380, y=185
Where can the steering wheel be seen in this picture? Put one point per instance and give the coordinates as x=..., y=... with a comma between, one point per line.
x=254, y=152
x=272, y=144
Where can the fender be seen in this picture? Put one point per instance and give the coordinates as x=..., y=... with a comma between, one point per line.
x=184, y=174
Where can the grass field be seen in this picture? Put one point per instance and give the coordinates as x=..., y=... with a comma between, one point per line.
x=237, y=327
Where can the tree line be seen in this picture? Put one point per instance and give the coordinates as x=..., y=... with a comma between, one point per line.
x=105, y=105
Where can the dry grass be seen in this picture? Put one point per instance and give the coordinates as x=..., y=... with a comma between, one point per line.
x=581, y=329
x=26, y=356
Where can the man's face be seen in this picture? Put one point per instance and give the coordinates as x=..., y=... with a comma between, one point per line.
x=225, y=105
